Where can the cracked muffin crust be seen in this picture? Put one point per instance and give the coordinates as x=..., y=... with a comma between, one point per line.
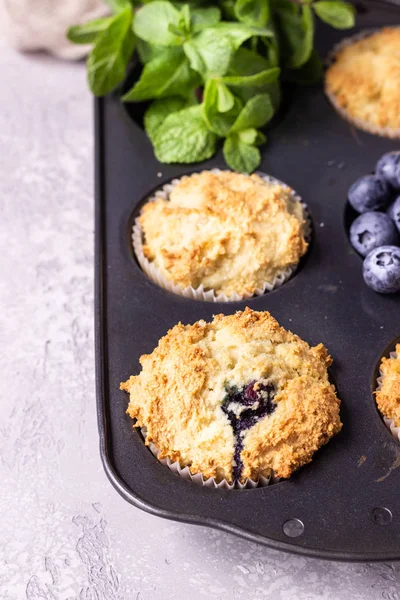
x=226, y=231
x=388, y=394
x=236, y=398
x=363, y=82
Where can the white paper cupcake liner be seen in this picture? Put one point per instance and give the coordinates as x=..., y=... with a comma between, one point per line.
x=387, y=132
x=395, y=431
x=154, y=273
x=198, y=478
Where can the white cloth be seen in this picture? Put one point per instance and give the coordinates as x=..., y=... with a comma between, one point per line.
x=41, y=24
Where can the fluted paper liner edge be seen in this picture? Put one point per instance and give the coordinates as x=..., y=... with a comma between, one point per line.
x=198, y=478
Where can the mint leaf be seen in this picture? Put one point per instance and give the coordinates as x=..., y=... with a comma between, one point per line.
x=226, y=99
x=238, y=33
x=304, y=49
x=196, y=61
x=118, y=5
x=148, y=51
x=88, y=32
x=246, y=62
x=152, y=23
x=252, y=12
x=169, y=74
x=228, y=9
x=176, y=30
x=185, y=20
x=255, y=114
x=219, y=123
x=309, y=73
x=239, y=156
x=290, y=29
x=184, y=138
x=252, y=137
x=296, y=25
x=248, y=136
x=159, y=111
x=272, y=50
x=204, y=17
x=260, y=139
x=110, y=55
x=209, y=53
x=257, y=80
x=338, y=14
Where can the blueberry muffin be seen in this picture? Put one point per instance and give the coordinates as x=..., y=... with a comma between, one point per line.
x=225, y=231
x=363, y=82
x=236, y=398
x=388, y=393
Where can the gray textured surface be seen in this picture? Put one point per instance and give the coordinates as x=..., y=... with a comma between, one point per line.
x=65, y=533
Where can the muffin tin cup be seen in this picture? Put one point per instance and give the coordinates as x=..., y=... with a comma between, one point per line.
x=390, y=424
x=154, y=273
x=199, y=479
x=360, y=123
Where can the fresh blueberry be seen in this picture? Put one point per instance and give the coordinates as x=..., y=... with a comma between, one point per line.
x=388, y=167
x=372, y=229
x=394, y=212
x=381, y=269
x=370, y=192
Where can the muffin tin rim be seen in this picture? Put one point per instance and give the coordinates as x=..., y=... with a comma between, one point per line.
x=124, y=490
x=291, y=546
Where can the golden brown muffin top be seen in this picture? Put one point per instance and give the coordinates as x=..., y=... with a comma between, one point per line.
x=364, y=81
x=388, y=395
x=240, y=382
x=227, y=231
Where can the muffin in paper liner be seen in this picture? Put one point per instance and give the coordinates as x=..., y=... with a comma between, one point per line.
x=390, y=424
x=198, y=478
x=388, y=132
x=154, y=273
x=206, y=398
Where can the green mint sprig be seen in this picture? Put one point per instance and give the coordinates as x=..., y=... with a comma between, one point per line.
x=212, y=73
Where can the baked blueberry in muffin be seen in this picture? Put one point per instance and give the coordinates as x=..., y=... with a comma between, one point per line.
x=363, y=81
x=236, y=398
x=388, y=393
x=244, y=408
x=225, y=231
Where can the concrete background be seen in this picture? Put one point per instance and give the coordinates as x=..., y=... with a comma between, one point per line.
x=65, y=533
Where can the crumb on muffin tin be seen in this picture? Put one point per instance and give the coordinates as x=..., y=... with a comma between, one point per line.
x=388, y=393
x=238, y=398
x=363, y=81
x=224, y=231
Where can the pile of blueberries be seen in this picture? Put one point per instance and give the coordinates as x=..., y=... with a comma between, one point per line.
x=375, y=233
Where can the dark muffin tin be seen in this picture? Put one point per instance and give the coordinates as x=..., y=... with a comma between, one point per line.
x=345, y=504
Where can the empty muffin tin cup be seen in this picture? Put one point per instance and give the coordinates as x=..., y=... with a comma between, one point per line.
x=198, y=478
x=390, y=424
x=387, y=132
x=154, y=273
